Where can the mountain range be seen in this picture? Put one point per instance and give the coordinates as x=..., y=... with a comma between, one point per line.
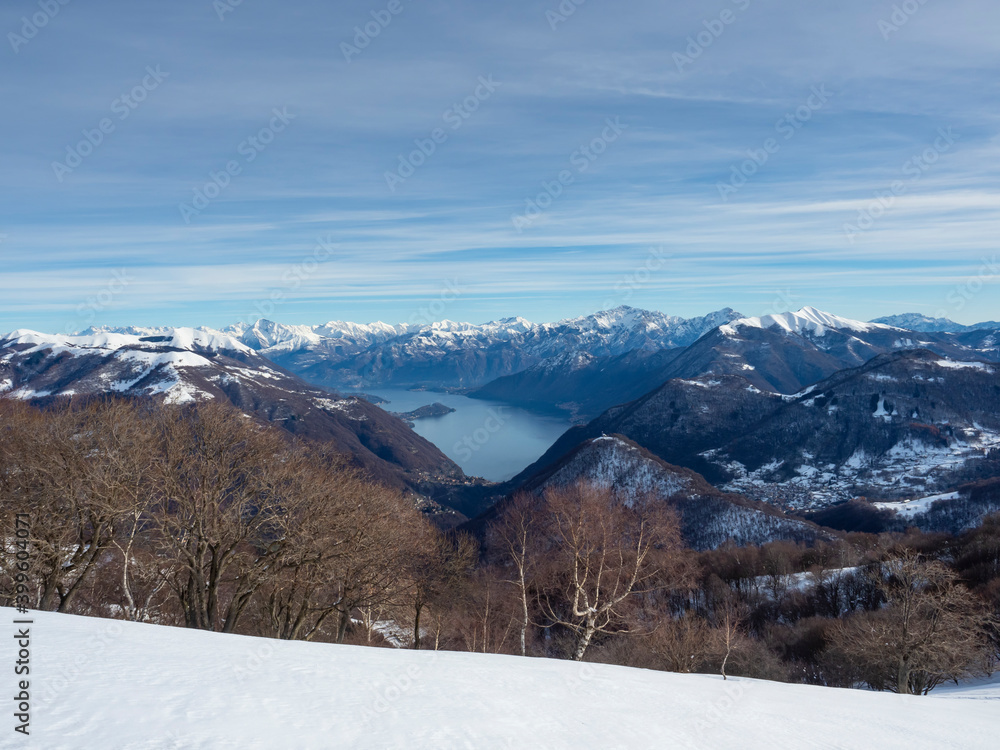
x=925, y=324
x=900, y=425
x=448, y=354
x=183, y=366
x=797, y=411
x=782, y=353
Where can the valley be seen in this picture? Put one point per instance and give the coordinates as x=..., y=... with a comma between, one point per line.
x=795, y=412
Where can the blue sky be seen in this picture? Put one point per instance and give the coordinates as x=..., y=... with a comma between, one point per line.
x=577, y=160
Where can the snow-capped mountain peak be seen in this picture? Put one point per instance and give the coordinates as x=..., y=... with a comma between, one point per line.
x=138, y=338
x=808, y=320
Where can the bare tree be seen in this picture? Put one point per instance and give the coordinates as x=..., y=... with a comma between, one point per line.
x=222, y=480
x=731, y=618
x=684, y=644
x=439, y=564
x=344, y=551
x=603, y=551
x=513, y=534
x=486, y=617
x=80, y=472
x=929, y=630
x=120, y=475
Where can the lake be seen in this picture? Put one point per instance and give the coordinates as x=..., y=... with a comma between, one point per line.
x=486, y=438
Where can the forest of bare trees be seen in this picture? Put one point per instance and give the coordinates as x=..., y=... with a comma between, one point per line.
x=204, y=518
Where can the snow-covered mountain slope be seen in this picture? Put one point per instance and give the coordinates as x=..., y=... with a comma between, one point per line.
x=927, y=324
x=183, y=365
x=904, y=424
x=808, y=320
x=788, y=352
x=126, y=686
x=781, y=352
x=709, y=518
x=948, y=512
x=140, y=362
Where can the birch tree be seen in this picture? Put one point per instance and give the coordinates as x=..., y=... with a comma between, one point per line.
x=604, y=551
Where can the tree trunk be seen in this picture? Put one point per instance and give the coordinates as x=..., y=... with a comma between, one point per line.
x=416, y=626
x=903, y=678
x=589, y=628
x=342, y=625
x=50, y=595
x=524, y=620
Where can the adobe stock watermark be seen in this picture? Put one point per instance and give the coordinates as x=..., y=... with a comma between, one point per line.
x=454, y=118
x=714, y=29
x=249, y=148
x=390, y=689
x=915, y=168
x=580, y=161
x=80, y=667
x=292, y=279
x=964, y=293
x=254, y=661
x=626, y=287
x=481, y=436
x=122, y=106
x=365, y=33
x=784, y=302
x=225, y=7
x=562, y=12
x=787, y=127
x=707, y=720
x=901, y=15
x=86, y=312
x=434, y=311
x=32, y=25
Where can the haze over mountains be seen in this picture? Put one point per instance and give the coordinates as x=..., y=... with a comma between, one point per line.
x=799, y=410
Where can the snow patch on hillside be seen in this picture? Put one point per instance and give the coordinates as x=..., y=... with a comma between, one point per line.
x=911, y=508
x=953, y=365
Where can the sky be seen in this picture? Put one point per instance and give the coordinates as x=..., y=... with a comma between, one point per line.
x=205, y=163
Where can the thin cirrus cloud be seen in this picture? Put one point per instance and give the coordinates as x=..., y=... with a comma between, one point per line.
x=686, y=125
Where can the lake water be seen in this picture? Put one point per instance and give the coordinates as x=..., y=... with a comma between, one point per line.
x=486, y=438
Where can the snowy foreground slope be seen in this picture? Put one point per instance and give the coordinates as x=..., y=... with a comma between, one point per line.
x=110, y=685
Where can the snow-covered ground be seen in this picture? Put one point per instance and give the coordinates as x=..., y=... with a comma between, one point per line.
x=915, y=507
x=124, y=686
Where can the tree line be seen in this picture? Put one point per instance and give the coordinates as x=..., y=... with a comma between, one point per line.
x=205, y=518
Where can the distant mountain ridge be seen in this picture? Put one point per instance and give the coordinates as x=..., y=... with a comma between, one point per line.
x=450, y=354
x=779, y=353
x=926, y=324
